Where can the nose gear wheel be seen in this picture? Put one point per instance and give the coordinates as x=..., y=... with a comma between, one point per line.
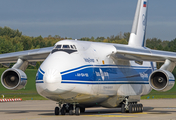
x=72, y=109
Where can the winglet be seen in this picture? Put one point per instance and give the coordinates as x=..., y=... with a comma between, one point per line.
x=137, y=36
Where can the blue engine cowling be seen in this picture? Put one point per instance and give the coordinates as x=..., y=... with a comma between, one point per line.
x=161, y=80
x=13, y=79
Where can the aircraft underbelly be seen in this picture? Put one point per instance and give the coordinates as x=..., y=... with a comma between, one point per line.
x=105, y=99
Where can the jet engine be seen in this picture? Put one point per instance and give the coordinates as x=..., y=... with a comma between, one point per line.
x=13, y=79
x=161, y=80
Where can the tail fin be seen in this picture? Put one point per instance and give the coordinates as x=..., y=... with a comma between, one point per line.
x=137, y=36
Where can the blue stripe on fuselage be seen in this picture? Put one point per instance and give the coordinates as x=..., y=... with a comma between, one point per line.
x=39, y=76
x=75, y=69
x=42, y=71
x=108, y=74
x=39, y=82
x=105, y=82
x=103, y=74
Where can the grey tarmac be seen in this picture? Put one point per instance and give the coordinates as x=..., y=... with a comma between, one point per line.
x=155, y=109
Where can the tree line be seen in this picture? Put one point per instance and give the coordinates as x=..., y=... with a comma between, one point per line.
x=13, y=41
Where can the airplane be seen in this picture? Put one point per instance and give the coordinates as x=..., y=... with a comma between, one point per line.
x=81, y=74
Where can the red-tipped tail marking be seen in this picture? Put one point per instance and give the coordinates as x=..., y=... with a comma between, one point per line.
x=145, y=4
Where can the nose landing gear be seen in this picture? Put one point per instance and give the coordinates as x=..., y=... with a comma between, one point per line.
x=69, y=108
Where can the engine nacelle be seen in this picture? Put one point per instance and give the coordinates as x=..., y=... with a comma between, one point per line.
x=14, y=79
x=161, y=80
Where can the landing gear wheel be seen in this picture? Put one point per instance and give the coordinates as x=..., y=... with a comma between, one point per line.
x=63, y=111
x=82, y=110
x=141, y=108
x=70, y=112
x=123, y=110
x=130, y=108
x=137, y=107
x=133, y=108
x=77, y=111
x=56, y=110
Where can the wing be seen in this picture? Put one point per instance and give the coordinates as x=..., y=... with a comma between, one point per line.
x=29, y=55
x=142, y=54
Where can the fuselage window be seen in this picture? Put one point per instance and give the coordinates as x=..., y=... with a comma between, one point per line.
x=66, y=46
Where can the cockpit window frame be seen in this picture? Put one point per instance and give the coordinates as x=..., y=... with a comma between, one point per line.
x=74, y=47
x=68, y=48
x=71, y=46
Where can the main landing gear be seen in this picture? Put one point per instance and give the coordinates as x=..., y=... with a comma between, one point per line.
x=131, y=107
x=72, y=109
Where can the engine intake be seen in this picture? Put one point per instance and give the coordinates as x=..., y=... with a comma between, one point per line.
x=161, y=80
x=14, y=79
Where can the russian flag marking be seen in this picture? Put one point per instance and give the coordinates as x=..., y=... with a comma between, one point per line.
x=145, y=4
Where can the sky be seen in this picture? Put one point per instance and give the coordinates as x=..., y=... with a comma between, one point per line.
x=86, y=18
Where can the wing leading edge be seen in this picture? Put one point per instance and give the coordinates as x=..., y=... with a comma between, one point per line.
x=142, y=54
x=29, y=55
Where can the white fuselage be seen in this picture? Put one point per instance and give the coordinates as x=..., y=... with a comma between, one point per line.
x=84, y=73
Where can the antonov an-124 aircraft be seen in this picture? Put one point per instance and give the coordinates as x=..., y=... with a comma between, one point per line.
x=80, y=74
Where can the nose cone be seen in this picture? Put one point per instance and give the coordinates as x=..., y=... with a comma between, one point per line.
x=52, y=79
x=52, y=76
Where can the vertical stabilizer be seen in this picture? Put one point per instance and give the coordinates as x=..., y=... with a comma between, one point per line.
x=137, y=36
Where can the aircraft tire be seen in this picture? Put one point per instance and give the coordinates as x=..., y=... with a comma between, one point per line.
x=77, y=111
x=70, y=112
x=56, y=110
x=142, y=108
x=137, y=107
x=82, y=110
x=63, y=111
x=123, y=108
x=130, y=108
x=133, y=108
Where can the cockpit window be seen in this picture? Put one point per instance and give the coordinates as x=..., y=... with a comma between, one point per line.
x=71, y=46
x=74, y=46
x=58, y=46
x=66, y=46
